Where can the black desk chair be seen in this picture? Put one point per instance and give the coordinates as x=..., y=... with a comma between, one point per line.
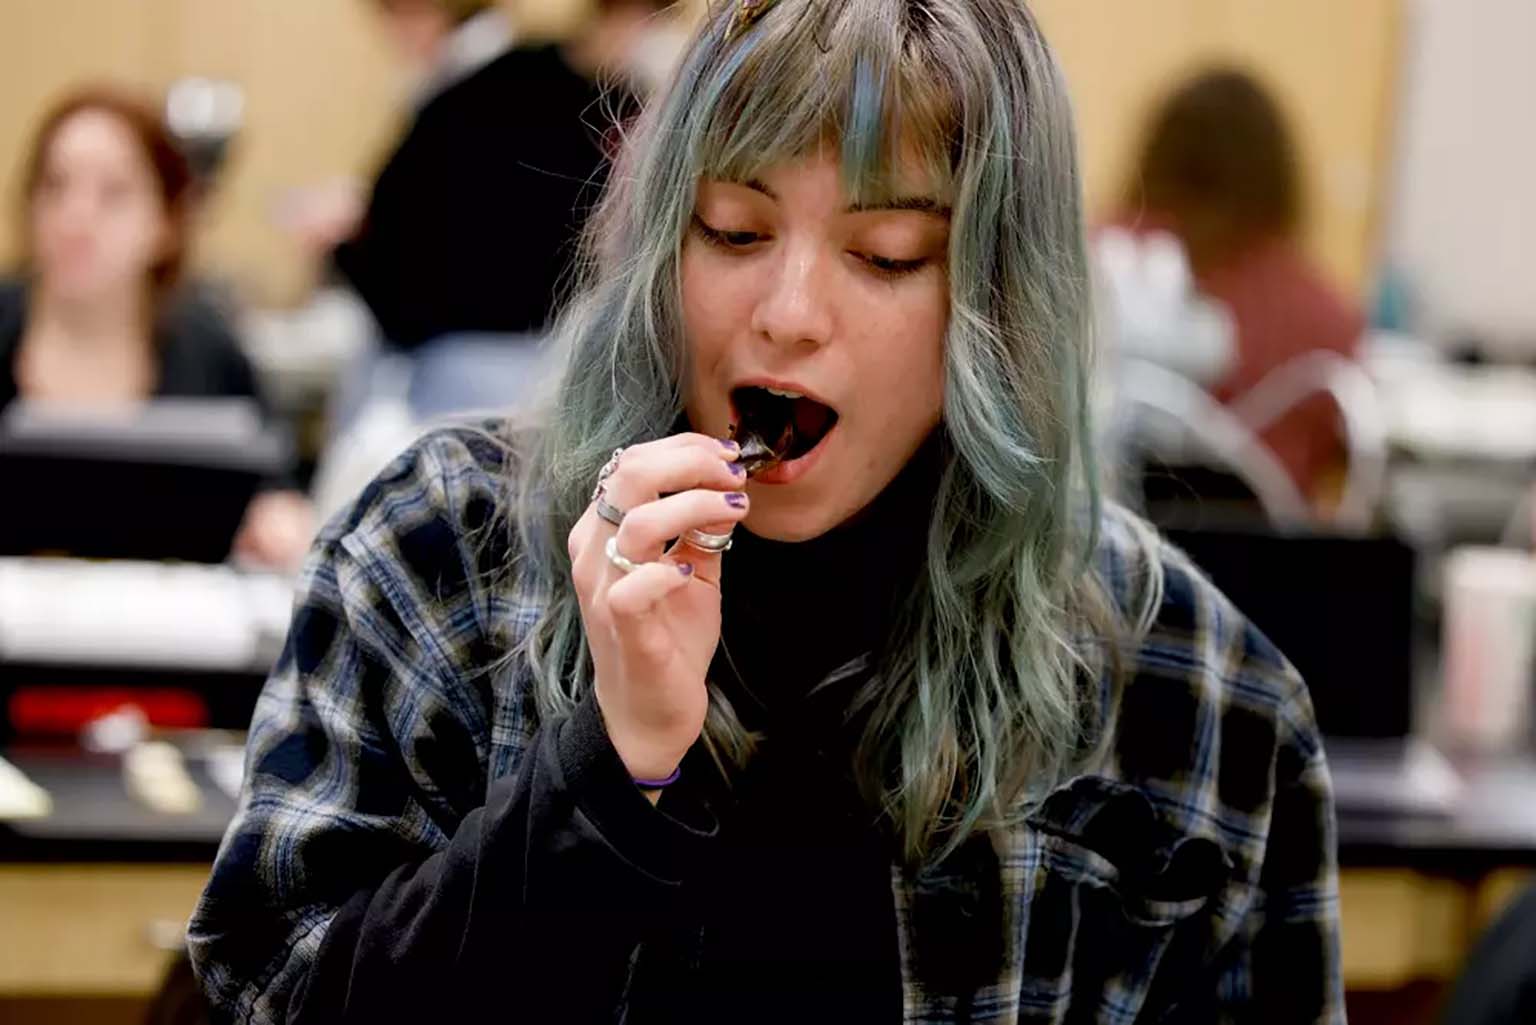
x=1187, y=460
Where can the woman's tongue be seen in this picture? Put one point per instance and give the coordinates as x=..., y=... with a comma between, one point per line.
x=811, y=420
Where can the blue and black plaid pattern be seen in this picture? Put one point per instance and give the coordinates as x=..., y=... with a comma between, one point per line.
x=1191, y=879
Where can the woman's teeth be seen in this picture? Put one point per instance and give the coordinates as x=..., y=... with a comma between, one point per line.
x=784, y=394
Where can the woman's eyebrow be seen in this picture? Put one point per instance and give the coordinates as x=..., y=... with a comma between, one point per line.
x=920, y=204
x=757, y=186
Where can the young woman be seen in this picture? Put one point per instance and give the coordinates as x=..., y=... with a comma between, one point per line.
x=938, y=738
x=96, y=317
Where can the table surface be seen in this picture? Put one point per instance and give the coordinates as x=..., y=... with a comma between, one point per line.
x=1492, y=824
x=95, y=819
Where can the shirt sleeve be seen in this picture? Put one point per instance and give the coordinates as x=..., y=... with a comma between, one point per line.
x=372, y=871
x=1286, y=963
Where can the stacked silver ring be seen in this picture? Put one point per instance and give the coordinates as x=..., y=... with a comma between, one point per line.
x=620, y=562
x=610, y=513
x=607, y=471
x=605, y=509
x=712, y=543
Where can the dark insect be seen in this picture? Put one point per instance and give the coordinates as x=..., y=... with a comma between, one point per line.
x=772, y=428
x=758, y=454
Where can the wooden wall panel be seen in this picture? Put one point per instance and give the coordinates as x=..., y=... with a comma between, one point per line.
x=322, y=101
x=320, y=90
x=1332, y=65
x=46, y=45
x=323, y=98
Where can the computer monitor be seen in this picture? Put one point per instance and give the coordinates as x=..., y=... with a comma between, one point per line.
x=167, y=479
x=1340, y=608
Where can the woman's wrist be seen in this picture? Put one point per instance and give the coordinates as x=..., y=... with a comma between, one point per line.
x=651, y=766
x=657, y=782
x=649, y=770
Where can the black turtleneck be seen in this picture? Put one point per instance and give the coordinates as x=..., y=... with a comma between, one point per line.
x=796, y=611
x=798, y=916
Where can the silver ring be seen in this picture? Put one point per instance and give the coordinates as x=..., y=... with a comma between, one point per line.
x=611, y=513
x=607, y=471
x=712, y=543
x=623, y=565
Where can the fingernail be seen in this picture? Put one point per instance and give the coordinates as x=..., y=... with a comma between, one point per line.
x=736, y=500
x=685, y=568
x=739, y=469
x=730, y=445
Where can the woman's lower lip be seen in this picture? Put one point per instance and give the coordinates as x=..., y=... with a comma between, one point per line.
x=788, y=473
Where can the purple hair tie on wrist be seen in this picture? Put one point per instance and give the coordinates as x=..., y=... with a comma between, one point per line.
x=658, y=784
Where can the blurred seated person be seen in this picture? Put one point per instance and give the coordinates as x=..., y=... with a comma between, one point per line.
x=96, y=316
x=1218, y=170
x=1498, y=985
x=471, y=225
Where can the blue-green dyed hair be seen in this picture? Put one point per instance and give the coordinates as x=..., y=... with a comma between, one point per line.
x=991, y=688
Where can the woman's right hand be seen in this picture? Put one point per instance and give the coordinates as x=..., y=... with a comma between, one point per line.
x=653, y=632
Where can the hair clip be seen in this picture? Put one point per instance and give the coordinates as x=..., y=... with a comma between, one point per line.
x=747, y=13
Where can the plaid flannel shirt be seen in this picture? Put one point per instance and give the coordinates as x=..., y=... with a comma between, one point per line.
x=1191, y=878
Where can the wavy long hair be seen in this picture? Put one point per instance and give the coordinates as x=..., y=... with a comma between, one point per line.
x=990, y=687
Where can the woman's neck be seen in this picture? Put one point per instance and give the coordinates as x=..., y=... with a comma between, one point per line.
x=98, y=350
x=795, y=612
x=109, y=320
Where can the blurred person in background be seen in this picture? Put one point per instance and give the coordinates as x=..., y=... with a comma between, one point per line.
x=1218, y=170
x=471, y=224
x=97, y=315
x=1498, y=984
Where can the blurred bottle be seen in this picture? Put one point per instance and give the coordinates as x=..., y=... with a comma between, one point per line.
x=1489, y=649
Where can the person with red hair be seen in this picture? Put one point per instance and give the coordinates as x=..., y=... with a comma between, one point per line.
x=1218, y=169
x=96, y=315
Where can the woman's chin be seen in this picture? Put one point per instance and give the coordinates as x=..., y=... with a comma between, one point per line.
x=778, y=514
x=786, y=521
x=86, y=286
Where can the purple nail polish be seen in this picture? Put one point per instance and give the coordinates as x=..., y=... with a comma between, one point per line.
x=736, y=500
x=730, y=445
x=685, y=568
x=739, y=469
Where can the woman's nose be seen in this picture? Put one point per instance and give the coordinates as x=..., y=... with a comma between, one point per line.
x=75, y=208
x=797, y=305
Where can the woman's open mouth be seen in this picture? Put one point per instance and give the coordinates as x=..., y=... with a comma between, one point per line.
x=777, y=430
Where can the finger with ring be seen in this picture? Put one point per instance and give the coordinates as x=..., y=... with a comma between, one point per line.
x=606, y=510
x=622, y=564
x=704, y=542
x=607, y=471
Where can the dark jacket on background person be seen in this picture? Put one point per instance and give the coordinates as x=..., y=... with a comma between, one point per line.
x=472, y=223
x=1498, y=985
x=414, y=843
x=198, y=354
